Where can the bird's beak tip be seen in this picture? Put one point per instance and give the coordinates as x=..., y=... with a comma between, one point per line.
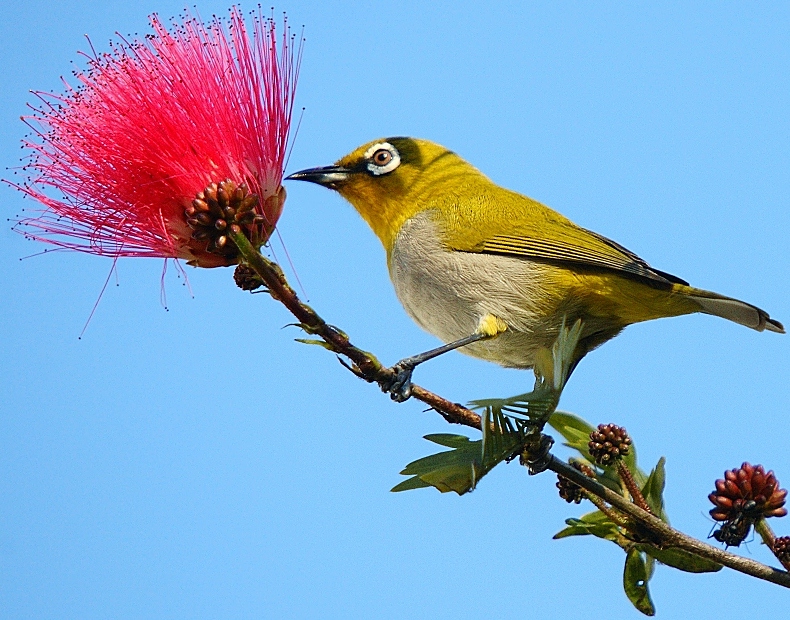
x=326, y=175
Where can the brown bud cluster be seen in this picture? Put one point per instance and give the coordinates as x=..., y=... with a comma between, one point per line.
x=781, y=549
x=216, y=209
x=570, y=491
x=246, y=278
x=608, y=443
x=747, y=491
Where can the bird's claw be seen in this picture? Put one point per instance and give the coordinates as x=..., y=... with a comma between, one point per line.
x=537, y=456
x=399, y=386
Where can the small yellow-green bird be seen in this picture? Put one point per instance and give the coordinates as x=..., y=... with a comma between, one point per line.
x=485, y=268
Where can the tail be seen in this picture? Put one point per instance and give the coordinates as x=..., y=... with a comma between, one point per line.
x=731, y=309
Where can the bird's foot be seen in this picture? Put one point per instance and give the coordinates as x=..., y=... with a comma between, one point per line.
x=537, y=454
x=399, y=385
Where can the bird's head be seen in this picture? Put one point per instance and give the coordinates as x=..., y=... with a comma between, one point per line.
x=390, y=180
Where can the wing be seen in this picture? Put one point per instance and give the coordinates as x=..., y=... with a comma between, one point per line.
x=575, y=246
x=510, y=224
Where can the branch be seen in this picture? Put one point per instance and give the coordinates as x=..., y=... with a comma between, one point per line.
x=668, y=536
x=367, y=367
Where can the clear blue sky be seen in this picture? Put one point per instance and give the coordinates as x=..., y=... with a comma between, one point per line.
x=134, y=483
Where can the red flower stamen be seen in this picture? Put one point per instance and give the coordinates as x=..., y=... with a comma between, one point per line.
x=152, y=124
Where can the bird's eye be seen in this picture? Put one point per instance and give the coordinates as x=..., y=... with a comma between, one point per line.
x=381, y=157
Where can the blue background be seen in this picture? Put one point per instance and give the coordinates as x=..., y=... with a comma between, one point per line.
x=198, y=463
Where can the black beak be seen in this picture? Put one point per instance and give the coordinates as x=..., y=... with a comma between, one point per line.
x=328, y=176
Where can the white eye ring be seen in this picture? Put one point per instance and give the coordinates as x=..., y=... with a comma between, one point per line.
x=377, y=169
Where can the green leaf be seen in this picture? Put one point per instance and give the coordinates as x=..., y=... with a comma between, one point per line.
x=501, y=437
x=563, y=353
x=303, y=326
x=318, y=343
x=460, y=468
x=650, y=566
x=653, y=489
x=338, y=330
x=453, y=470
x=449, y=440
x=453, y=478
x=635, y=582
x=606, y=531
x=536, y=406
x=682, y=560
x=574, y=430
x=410, y=483
x=564, y=422
x=500, y=403
x=593, y=523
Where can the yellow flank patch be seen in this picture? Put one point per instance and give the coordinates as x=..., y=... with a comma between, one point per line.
x=491, y=326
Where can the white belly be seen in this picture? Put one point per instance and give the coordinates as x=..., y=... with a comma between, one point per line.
x=447, y=292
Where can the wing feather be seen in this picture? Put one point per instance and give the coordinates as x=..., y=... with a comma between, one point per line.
x=509, y=224
x=578, y=247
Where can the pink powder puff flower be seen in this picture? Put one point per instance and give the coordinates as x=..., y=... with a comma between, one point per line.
x=167, y=142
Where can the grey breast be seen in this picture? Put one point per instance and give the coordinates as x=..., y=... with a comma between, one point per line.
x=447, y=292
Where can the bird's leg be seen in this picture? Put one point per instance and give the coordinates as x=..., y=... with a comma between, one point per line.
x=399, y=387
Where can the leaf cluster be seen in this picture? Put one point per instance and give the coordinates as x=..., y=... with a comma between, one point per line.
x=641, y=552
x=508, y=425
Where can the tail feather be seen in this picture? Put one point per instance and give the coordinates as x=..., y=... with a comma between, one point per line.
x=734, y=310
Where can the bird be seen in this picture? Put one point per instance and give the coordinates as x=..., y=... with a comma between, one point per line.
x=495, y=274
